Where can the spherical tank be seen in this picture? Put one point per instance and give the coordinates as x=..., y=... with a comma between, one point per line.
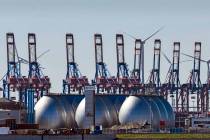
x=57, y=111
x=105, y=112
x=151, y=109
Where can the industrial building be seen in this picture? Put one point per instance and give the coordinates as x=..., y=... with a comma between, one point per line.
x=11, y=110
x=202, y=122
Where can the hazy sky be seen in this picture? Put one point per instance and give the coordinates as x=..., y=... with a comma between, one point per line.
x=186, y=21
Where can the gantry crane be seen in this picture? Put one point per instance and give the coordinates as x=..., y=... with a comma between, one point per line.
x=74, y=81
x=195, y=82
x=154, y=79
x=14, y=80
x=103, y=80
x=137, y=70
x=39, y=84
x=172, y=83
x=125, y=82
x=193, y=85
x=202, y=90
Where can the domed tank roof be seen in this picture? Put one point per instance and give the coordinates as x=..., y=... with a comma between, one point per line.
x=105, y=112
x=56, y=111
x=141, y=109
x=60, y=111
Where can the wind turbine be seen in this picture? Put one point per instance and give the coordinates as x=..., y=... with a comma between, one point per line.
x=170, y=62
x=24, y=61
x=142, y=50
x=207, y=62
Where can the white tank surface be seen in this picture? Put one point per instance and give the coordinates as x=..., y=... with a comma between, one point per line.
x=105, y=112
x=68, y=111
x=57, y=111
x=151, y=109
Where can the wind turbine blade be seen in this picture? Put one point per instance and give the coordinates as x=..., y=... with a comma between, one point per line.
x=39, y=65
x=131, y=36
x=193, y=57
x=3, y=76
x=22, y=60
x=153, y=34
x=43, y=53
x=185, y=61
x=165, y=56
x=187, y=55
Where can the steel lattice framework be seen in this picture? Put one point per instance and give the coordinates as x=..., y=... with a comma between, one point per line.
x=74, y=81
x=126, y=83
x=14, y=80
x=103, y=80
x=154, y=83
x=39, y=84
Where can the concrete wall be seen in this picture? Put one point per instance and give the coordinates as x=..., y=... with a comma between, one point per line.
x=60, y=137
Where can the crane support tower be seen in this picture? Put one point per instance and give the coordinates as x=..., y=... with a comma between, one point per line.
x=205, y=91
x=195, y=82
x=172, y=85
x=13, y=81
x=154, y=78
x=38, y=83
x=175, y=69
x=204, y=96
x=103, y=80
x=137, y=60
x=191, y=90
x=125, y=82
x=74, y=81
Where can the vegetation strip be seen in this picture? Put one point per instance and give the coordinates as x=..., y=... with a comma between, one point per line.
x=163, y=136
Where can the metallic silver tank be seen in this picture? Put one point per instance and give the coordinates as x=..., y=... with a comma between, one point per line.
x=68, y=111
x=106, y=110
x=57, y=111
x=151, y=109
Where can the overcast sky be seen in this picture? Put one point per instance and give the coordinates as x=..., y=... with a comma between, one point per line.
x=186, y=21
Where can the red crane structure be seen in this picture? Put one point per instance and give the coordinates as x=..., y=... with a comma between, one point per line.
x=154, y=84
x=14, y=81
x=199, y=90
x=126, y=83
x=74, y=82
x=103, y=80
x=39, y=84
x=171, y=86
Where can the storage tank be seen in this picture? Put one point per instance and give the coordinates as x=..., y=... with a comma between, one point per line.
x=68, y=111
x=106, y=110
x=57, y=111
x=151, y=109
